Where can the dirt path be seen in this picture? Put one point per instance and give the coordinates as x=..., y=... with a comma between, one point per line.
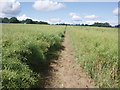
x=65, y=73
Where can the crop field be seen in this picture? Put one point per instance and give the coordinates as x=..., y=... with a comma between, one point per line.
x=27, y=50
x=97, y=52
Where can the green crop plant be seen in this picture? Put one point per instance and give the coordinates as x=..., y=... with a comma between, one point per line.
x=96, y=49
x=26, y=51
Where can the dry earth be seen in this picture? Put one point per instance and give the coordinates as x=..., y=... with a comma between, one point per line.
x=66, y=73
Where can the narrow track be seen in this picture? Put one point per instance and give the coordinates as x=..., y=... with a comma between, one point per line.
x=65, y=73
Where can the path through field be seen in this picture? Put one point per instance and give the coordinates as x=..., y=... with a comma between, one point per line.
x=66, y=73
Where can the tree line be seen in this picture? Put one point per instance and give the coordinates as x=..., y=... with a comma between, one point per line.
x=95, y=24
x=15, y=20
x=30, y=21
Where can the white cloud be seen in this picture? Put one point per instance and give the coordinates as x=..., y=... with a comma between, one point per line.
x=51, y=21
x=55, y=20
x=116, y=11
x=87, y=0
x=93, y=21
x=47, y=5
x=74, y=0
x=113, y=23
x=9, y=8
x=75, y=17
x=91, y=17
x=72, y=14
x=71, y=0
x=66, y=22
x=58, y=21
x=24, y=17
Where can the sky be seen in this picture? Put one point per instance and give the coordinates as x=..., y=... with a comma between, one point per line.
x=66, y=11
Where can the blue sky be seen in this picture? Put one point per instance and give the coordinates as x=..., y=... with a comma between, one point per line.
x=67, y=12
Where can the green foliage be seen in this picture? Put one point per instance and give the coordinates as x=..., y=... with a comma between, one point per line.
x=13, y=20
x=97, y=52
x=28, y=21
x=5, y=20
x=101, y=24
x=26, y=51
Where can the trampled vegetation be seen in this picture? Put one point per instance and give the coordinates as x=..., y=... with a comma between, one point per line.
x=97, y=52
x=27, y=50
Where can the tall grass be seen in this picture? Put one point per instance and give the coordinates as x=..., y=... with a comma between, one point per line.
x=97, y=52
x=26, y=52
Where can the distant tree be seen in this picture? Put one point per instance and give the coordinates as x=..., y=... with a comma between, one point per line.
x=23, y=21
x=5, y=20
x=35, y=22
x=82, y=25
x=42, y=22
x=62, y=24
x=13, y=20
x=28, y=21
x=106, y=25
x=86, y=25
x=117, y=25
x=101, y=24
x=77, y=24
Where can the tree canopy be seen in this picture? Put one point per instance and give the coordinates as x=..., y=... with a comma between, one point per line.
x=30, y=21
x=5, y=20
x=101, y=24
x=15, y=20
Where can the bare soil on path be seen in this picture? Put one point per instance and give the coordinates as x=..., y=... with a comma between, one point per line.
x=66, y=73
